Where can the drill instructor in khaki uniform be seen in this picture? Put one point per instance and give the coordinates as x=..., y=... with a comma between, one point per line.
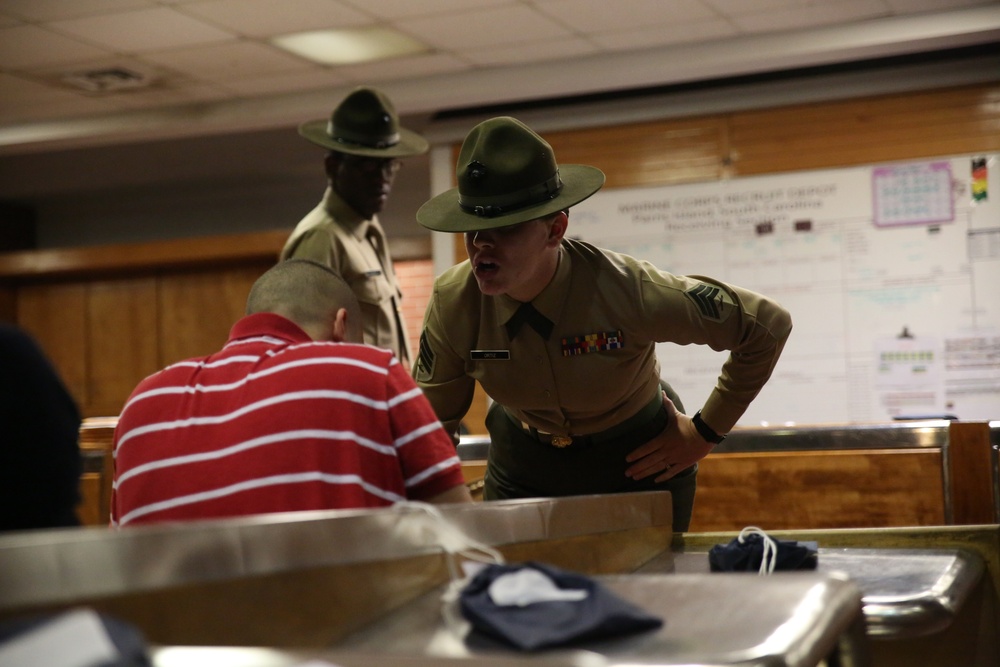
x=365, y=143
x=561, y=335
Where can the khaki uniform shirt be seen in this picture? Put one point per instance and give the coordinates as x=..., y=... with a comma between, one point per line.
x=335, y=235
x=571, y=386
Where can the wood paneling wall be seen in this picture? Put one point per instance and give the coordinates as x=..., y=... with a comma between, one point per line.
x=108, y=317
x=651, y=153
x=198, y=309
x=820, y=135
x=951, y=121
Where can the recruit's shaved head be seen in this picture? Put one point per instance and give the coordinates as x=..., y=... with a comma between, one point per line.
x=307, y=293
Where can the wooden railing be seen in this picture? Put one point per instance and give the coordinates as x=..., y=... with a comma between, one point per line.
x=890, y=475
x=867, y=476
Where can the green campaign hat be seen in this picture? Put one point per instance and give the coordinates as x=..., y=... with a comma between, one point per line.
x=365, y=123
x=507, y=174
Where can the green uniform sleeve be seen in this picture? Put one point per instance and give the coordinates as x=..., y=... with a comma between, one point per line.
x=440, y=372
x=701, y=310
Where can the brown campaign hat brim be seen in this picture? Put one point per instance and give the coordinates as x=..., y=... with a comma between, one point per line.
x=410, y=143
x=444, y=214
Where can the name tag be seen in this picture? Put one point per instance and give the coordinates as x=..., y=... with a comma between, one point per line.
x=372, y=274
x=490, y=355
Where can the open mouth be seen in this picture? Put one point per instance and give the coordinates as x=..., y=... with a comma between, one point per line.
x=486, y=267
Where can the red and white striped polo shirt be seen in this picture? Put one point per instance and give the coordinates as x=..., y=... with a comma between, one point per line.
x=275, y=422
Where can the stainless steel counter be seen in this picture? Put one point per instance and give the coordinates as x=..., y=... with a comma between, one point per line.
x=905, y=592
x=230, y=656
x=375, y=577
x=55, y=566
x=709, y=620
x=799, y=621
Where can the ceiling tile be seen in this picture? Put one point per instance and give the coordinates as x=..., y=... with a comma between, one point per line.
x=266, y=18
x=16, y=89
x=29, y=101
x=56, y=75
x=212, y=50
x=396, y=9
x=808, y=16
x=526, y=52
x=54, y=10
x=143, y=30
x=604, y=16
x=934, y=5
x=9, y=21
x=488, y=27
x=736, y=7
x=665, y=35
x=222, y=62
x=260, y=86
x=425, y=65
x=29, y=46
x=172, y=95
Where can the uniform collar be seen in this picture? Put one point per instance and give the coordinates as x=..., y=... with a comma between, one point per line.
x=347, y=217
x=549, y=301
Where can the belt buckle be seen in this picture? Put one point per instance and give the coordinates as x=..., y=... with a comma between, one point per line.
x=561, y=441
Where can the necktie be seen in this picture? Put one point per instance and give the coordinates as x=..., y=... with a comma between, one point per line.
x=375, y=238
x=527, y=313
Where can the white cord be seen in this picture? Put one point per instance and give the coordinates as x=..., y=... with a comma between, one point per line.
x=770, y=556
x=453, y=540
x=455, y=543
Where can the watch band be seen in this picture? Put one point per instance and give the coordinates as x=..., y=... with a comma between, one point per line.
x=705, y=430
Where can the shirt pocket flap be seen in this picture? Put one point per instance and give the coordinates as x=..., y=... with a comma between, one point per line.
x=372, y=289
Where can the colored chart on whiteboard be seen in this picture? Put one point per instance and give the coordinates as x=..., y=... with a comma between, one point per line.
x=891, y=273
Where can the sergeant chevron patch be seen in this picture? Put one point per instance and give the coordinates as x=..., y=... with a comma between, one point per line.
x=714, y=303
x=425, y=362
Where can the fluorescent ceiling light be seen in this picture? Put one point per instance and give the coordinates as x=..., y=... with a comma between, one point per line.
x=343, y=47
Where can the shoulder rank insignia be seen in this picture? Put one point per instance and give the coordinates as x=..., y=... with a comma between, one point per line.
x=595, y=342
x=425, y=362
x=713, y=302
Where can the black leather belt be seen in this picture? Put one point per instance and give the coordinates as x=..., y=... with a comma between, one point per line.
x=636, y=422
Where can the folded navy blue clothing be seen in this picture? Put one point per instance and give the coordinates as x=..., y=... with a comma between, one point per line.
x=746, y=553
x=519, y=615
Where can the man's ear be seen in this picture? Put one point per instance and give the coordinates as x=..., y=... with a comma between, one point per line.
x=557, y=230
x=338, y=331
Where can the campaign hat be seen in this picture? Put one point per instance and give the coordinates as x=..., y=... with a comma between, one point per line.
x=365, y=123
x=507, y=174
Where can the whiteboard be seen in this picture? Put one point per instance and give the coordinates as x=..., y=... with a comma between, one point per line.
x=891, y=273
